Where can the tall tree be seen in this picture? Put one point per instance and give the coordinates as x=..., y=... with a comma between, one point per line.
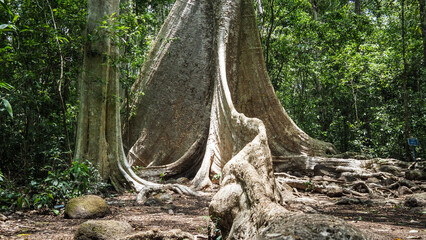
x=404, y=82
x=99, y=129
x=423, y=28
x=358, y=7
x=192, y=118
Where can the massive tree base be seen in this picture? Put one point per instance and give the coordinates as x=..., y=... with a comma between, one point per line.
x=208, y=108
x=206, y=96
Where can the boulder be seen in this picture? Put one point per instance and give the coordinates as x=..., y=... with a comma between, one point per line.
x=102, y=230
x=159, y=199
x=89, y=207
x=174, y=234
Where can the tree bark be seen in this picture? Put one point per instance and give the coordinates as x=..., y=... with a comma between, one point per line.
x=202, y=79
x=249, y=202
x=404, y=82
x=314, y=8
x=423, y=28
x=358, y=7
x=99, y=131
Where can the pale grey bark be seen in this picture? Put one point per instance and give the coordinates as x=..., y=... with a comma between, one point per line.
x=202, y=76
x=99, y=131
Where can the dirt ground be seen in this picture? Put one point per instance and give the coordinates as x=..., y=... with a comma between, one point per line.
x=389, y=220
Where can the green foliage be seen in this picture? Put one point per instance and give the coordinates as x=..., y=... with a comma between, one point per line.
x=161, y=177
x=8, y=107
x=30, y=59
x=34, y=37
x=59, y=186
x=56, y=188
x=339, y=74
x=6, y=103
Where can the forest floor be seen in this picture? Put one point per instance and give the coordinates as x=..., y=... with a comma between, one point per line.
x=390, y=220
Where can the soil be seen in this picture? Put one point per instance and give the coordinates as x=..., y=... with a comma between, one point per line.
x=389, y=220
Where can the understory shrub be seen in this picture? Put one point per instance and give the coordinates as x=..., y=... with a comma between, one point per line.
x=59, y=186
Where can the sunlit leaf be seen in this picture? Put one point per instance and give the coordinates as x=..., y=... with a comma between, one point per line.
x=6, y=7
x=8, y=107
x=15, y=18
x=5, y=85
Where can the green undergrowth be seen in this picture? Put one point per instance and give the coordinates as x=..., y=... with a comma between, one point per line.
x=59, y=185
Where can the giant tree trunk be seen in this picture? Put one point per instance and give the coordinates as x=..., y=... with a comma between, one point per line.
x=208, y=107
x=206, y=95
x=99, y=133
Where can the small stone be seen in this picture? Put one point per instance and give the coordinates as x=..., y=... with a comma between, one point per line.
x=182, y=180
x=403, y=190
x=171, y=212
x=169, y=206
x=165, y=197
x=3, y=217
x=152, y=201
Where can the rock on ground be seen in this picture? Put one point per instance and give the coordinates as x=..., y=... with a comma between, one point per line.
x=89, y=206
x=102, y=230
x=311, y=226
x=174, y=234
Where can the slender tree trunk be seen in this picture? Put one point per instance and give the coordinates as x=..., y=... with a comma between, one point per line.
x=423, y=28
x=61, y=77
x=99, y=132
x=404, y=79
x=314, y=5
x=358, y=7
x=270, y=30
